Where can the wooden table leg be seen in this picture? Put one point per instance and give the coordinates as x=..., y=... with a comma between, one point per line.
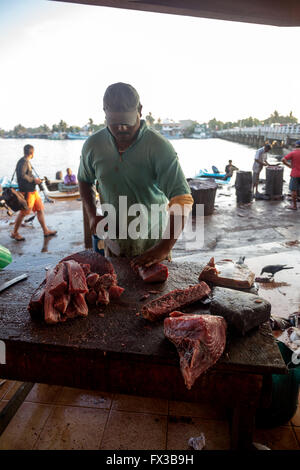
x=242, y=427
x=244, y=411
x=13, y=405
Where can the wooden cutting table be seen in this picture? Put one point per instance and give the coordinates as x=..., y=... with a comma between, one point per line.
x=119, y=351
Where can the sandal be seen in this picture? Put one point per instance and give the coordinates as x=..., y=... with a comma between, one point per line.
x=18, y=238
x=292, y=208
x=51, y=234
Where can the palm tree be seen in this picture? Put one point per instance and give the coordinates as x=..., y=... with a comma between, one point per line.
x=62, y=126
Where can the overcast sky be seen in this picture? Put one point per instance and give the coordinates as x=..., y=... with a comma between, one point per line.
x=57, y=59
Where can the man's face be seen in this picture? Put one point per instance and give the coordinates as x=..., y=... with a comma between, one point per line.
x=124, y=133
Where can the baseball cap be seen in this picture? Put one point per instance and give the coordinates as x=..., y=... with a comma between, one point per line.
x=120, y=104
x=297, y=143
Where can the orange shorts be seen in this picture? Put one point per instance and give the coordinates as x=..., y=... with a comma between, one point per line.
x=34, y=203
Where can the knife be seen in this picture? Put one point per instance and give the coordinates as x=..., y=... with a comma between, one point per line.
x=13, y=281
x=113, y=246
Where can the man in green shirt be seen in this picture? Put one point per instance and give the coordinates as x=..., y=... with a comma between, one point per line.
x=134, y=164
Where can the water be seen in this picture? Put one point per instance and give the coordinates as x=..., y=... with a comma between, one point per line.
x=194, y=154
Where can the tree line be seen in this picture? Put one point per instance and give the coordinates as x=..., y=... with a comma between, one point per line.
x=62, y=126
x=274, y=118
x=212, y=125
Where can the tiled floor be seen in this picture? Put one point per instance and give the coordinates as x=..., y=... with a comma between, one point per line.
x=64, y=418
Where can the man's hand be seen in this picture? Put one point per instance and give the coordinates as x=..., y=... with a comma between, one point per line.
x=153, y=255
x=37, y=180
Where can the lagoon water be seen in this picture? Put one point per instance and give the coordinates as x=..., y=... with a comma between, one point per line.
x=194, y=154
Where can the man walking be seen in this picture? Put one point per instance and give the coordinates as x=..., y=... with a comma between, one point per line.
x=27, y=183
x=260, y=161
x=292, y=160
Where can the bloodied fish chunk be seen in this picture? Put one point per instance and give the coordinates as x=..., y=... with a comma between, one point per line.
x=200, y=341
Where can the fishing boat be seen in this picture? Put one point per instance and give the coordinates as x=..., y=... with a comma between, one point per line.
x=63, y=191
x=79, y=136
x=5, y=182
x=205, y=174
x=219, y=178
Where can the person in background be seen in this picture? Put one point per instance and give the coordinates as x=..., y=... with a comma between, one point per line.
x=292, y=160
x=27, y=183
x=59, y=175
x=130, y=160
x=70, y=178
x=229, y=169
x=260, y=161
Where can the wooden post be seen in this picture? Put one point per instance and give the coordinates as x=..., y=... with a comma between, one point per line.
x=86, y=229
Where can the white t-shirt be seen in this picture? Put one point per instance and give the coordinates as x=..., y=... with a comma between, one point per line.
x=260, y=158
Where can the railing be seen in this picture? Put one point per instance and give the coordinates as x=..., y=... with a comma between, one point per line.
x=288, y=130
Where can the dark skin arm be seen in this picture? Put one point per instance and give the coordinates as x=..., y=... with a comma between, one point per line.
x=286, y=162
x=87, y=194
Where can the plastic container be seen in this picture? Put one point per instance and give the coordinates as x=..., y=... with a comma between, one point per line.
x=243, y=187
x=5, y=257
x=285, y=390
x=203, y=192
x=274, y=182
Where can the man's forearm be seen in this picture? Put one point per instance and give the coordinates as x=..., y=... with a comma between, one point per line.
x=87, y=194
x=173, y=230
x=286, y=163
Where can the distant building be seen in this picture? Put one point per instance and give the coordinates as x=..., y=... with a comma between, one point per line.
x=171, y=129
x=200, y=132
x=185, y=123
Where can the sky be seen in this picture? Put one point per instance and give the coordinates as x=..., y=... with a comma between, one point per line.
x=57, y=59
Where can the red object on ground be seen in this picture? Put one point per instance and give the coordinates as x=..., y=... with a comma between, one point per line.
x=155, y=273
x=77, y=281
x=162, y=306
x=200, y=341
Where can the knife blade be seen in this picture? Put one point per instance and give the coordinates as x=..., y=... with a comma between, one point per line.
x=7, y=284
x=113, y=246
